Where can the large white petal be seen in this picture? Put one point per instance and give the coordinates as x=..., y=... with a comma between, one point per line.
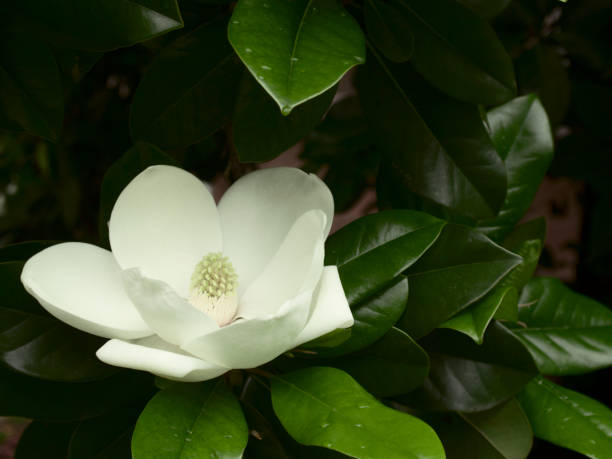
x=80, y=284
x=249, y=343
x=330, y=308
x=258, y=211
x=164, y=222
x=169, y=315
x=160, y=358
x=296, y=266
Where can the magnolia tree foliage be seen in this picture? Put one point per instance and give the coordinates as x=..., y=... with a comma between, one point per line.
x=426, y=335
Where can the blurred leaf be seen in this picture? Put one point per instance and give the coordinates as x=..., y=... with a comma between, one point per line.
x=468, y=377
x=74, y=64
x=529, y=230
x=522, y=137
x=261, y=132
x=103, y=25
x=502, y=432
x=488, y=9
x=459, y=269
x=31, y=98
x=387, y=29
x=23, y=250
x=296, y=50
x=45, y=439
x=567, y=333
x=448, y=35
x=188, y=91
x=475, y=319
x=326, y=407
x=567, y=418
x=191, y=420
x=436, y=146
x=121, y=173
x=106, y=436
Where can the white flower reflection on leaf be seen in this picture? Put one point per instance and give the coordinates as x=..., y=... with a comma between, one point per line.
x=192, y=290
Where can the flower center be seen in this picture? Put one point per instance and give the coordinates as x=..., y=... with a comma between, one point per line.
x=213, y=288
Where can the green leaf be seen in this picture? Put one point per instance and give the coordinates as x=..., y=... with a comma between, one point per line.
x=461, y=267
x=474, y=320
x=530, y=252
x=387, y=29
x=31, y=98
x=502, y=432
x=121, y=173
x=103, y=25
x=522, y=137
x=530, y=230
x=189, y=90
x=375, y=249
x=296, y=49
x=568, y=419
x=448, y=35
x=45, y=439
x=567, y=333
x=261, y=132
x=436, y=146
x=191, y=420
x=488, y=9
x=326, y=407
x=23, y=250
x=465, y=376
x=106, y=436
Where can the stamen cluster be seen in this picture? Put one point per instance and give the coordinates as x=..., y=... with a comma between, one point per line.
x=214, y=276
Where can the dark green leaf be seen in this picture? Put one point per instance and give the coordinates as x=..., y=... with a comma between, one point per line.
x=458, y=52
x=31, y=95
x=374, y=249
x=121, y=173
x=23, y=250
x=461, y=267
x=502, y=432
x=107, y=436
x=530, y=230
x=436, y=146
x=74, y=65
x=530, y=252
x=522, y=137
x=191, y=420
x=102, y=25
x=488, y=9
x=465, y=376
x=567, y=418
x=475, y=319
x=261, y=132
x=189, y=90
x=387, y=29
x=326, y=407
x=567, y=333
x=45, y=439
x=296, y=49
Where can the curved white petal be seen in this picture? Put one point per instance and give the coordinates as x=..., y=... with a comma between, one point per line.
x=169, y=316
x=296, y=266
x=330, y=309
x=80, y=284
x=164, y=222
x=249, y=343
x=158, y=357
x=258, y=211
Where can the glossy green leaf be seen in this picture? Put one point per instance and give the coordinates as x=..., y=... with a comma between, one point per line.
x=567, y=333
x=475, y=319
x=374, y=249
x=436, y=146
x=296, y=49
x=121, y=173
x=23, y=250
x=261, y=132
x=326, y=407
x=387, y=29
x=461, y=267
x=45, y=439
x=103, y=25
x=488, y=9
x=502, y=432
x=191, y=420
x=31, y=98
x=465, y=376
x=530, y=252
x=106, y=436
x=568, y=419
x=188, y=91
x=448, y=35
x=522, y=137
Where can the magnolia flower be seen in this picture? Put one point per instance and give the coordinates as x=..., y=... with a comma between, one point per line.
x=192, y=290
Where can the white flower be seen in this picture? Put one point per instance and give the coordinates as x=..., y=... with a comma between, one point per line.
x=192, y=290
